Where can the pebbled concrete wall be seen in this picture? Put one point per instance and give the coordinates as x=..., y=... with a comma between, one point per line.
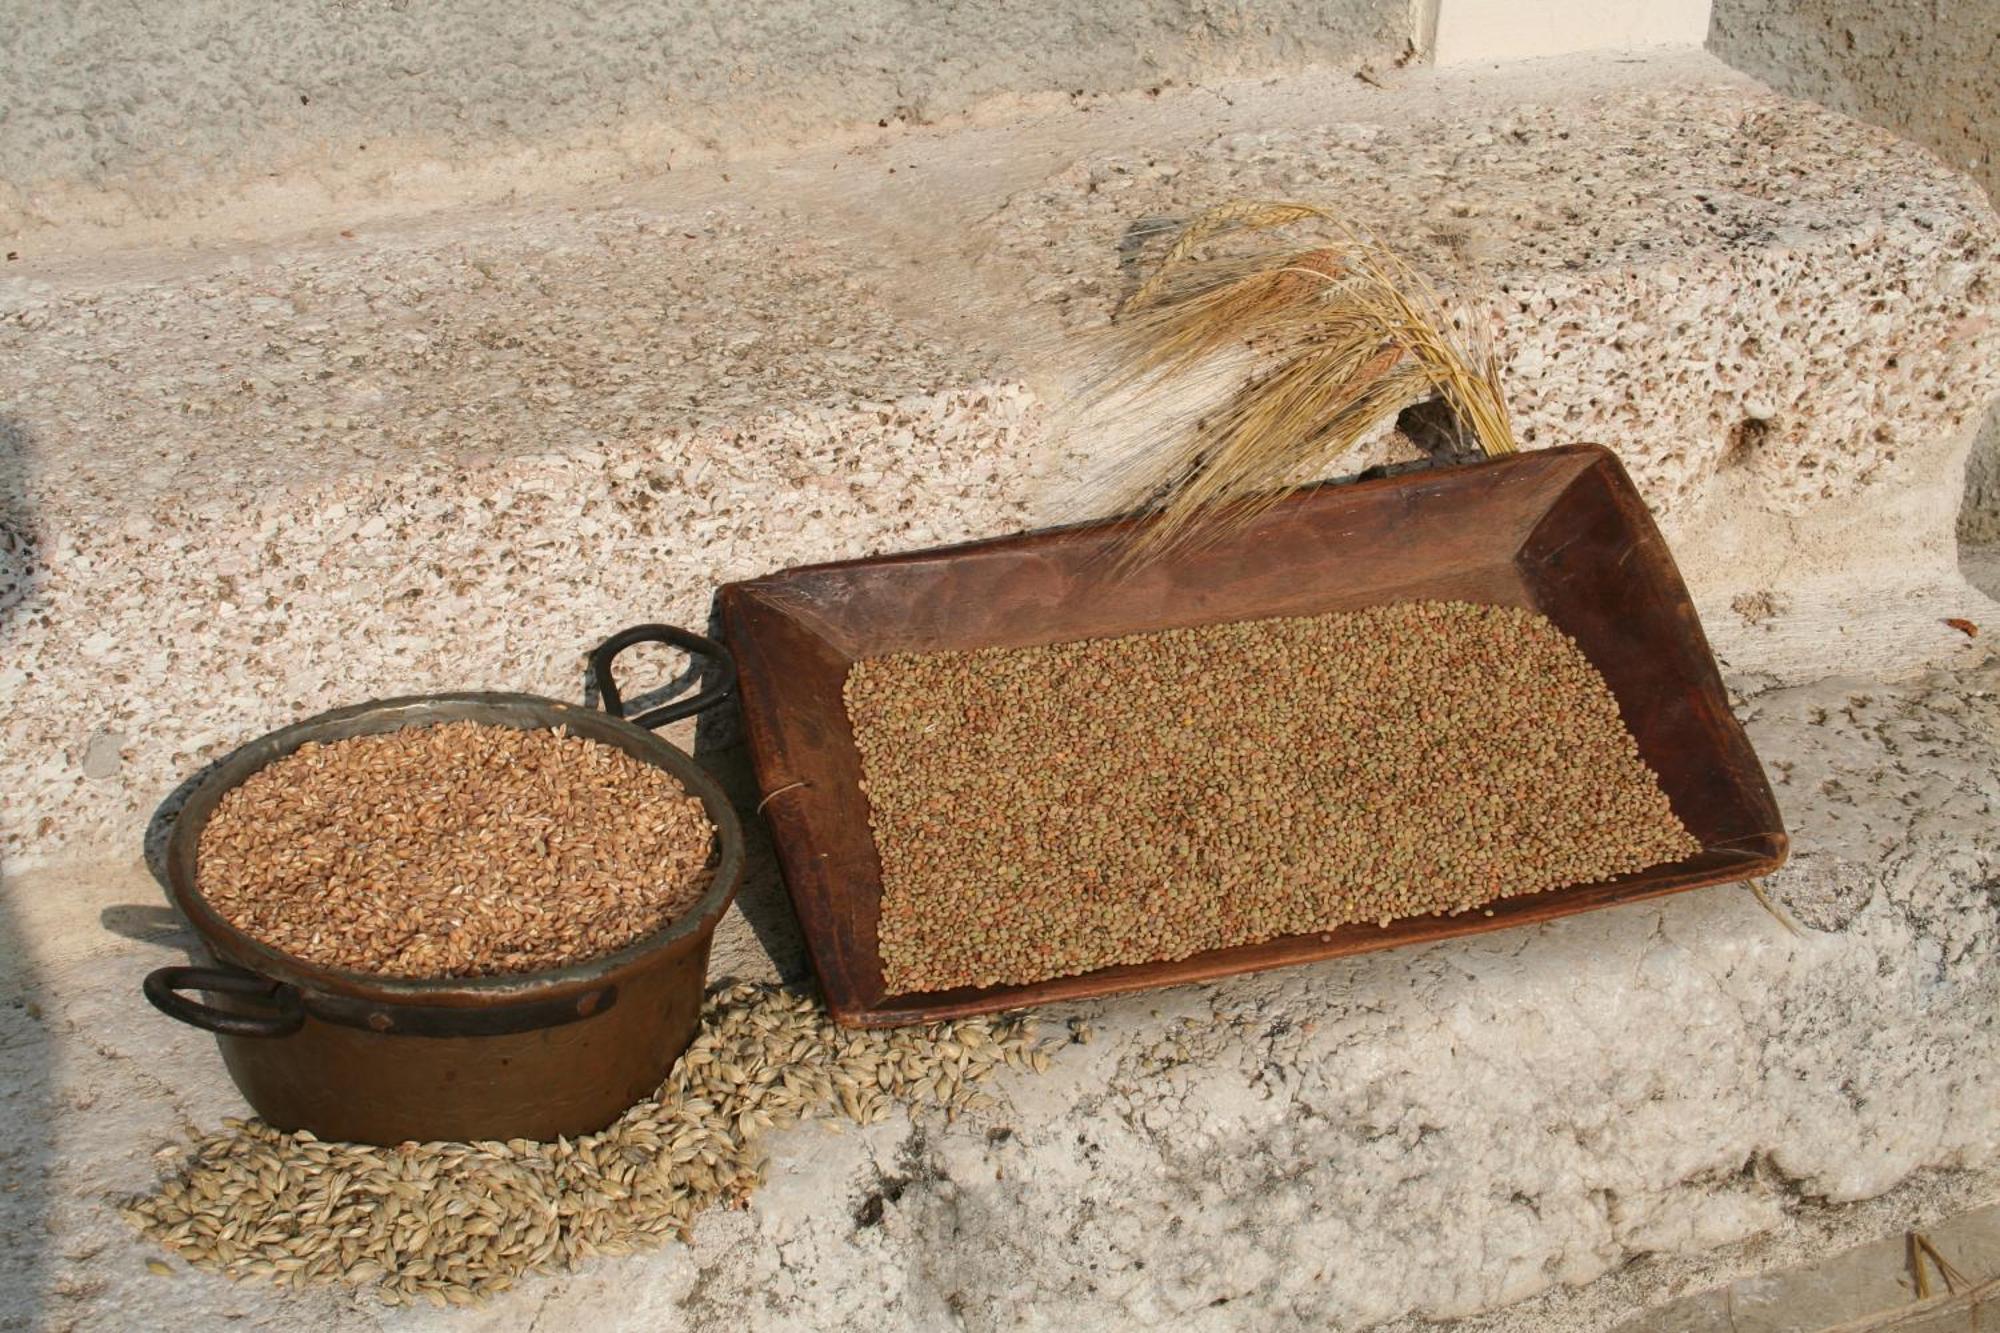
x=111, y=111
x=1923, y=68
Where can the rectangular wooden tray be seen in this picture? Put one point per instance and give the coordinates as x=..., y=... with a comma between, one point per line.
x=1559, y=530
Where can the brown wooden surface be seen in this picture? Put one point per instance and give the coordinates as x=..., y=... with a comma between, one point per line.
x=1560, y=530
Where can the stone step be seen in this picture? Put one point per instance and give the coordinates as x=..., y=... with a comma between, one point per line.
x=248, y=481
x=1663, y=1092
x=1867, y=1289
x=252, y=481
x=123, y=122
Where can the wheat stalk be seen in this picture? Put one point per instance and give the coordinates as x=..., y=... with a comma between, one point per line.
x=1339, y=336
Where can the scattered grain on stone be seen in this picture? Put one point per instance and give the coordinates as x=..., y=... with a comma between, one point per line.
x=452, y=1222
x=1046, y=811
x=455, y=850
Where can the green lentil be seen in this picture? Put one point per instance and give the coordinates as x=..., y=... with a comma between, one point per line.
x=1047, y=811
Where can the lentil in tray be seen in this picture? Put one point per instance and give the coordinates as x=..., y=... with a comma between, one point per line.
x=1043, y=812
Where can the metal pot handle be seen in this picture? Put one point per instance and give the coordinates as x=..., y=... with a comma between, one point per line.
x=607, y=689
x=288, y=1010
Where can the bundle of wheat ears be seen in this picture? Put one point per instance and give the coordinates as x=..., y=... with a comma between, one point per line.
x=1316, y=343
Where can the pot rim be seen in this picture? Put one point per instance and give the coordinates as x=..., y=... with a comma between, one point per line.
x=523, y=711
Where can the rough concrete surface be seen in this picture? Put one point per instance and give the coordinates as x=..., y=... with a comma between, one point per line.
x=1922, y=69
x=1428, y=1133
x=1815, y=1236
x=1856, y=1287
x=1683, y=287
x=454, y=454
x=1712, y=281
x=115, y=113
x=252, y=476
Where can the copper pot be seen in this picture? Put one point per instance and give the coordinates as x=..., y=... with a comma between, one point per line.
x=373, y=1059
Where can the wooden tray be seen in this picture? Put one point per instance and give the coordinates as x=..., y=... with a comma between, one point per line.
x=1559, y=530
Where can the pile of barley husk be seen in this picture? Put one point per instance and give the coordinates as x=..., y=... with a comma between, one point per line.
x=453, y=1222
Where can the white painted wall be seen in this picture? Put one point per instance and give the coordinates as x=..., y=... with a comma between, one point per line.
x=1463, y=32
